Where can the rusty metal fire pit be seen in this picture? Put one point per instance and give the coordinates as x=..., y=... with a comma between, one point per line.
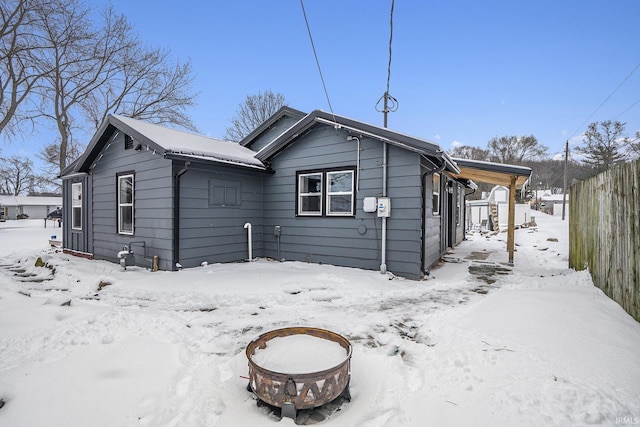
x=295, y=391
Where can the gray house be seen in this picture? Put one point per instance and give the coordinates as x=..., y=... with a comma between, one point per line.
x=315, y=187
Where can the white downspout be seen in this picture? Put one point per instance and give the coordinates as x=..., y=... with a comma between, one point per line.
x=248, y=227
x=383, y=264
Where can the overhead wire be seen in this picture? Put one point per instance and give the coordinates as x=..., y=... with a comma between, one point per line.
x=315, y=54
x=390, y=41
x=607, y=99
x=632, y=105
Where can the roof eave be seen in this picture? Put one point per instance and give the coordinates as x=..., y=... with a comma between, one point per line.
x=282, y=112
x=340, y=122
x=209, y=160
x=493, y=173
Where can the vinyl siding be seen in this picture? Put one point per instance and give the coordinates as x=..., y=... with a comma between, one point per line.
x=272, y=133
x=432, y=248
x=337, y=240
x=216, y=233
x=152, y=204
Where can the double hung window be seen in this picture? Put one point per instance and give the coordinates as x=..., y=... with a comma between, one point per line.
x=125, y=204
x=436, y=194
x=326, y=193
x=340, y=193
x=76, y=206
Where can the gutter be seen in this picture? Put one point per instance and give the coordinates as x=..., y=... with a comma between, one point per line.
x=448, y=161
x=176, y=215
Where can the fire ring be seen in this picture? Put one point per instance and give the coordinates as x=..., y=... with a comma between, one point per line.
x=306, y=390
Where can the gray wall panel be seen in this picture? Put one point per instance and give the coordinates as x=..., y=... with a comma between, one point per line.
x=152, y=203
x=216, y=233
x=337, y=240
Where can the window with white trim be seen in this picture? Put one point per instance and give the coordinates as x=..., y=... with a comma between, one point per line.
x=76, y=206
x=459, y=205
x=125, y=204
x=326, y=193
x=340, y=193
x=310, y=194
x=436, y=194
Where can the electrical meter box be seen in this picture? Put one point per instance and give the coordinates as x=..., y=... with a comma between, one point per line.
x=384, y=207
x=370, y=204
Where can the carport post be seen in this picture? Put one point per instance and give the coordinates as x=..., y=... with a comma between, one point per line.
x=512, y=219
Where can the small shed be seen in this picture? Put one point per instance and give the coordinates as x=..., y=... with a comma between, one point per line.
x=493, y=211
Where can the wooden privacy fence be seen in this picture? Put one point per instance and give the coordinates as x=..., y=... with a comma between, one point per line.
x=604, y=233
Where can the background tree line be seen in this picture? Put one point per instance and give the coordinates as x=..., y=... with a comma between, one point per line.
x=604, y=145
x=65, y=68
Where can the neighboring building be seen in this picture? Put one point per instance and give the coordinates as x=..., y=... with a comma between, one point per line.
x=479, y=212
x=552, y=203
x=312, y=187
x=33, y=207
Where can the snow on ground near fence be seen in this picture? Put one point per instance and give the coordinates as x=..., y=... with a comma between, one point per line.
x=86, y=343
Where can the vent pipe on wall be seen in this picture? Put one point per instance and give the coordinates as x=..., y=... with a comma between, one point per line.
x=248, y=227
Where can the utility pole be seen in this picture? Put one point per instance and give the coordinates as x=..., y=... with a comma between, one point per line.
x=564, y=186
x=386, y=108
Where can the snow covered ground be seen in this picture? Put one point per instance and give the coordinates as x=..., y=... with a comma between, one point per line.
x=86, y=343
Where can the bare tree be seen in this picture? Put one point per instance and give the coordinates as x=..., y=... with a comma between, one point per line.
x=17, y=175
x=604, y=145
x=140, y=82
x=634, y=145
x=515, y=149
x=252, y=113
x=95, y=71
x=548, y=174
x=20, y=48
x=50, y=168
x=469, y=152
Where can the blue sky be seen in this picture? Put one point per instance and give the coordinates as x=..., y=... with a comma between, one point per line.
x=462, y=71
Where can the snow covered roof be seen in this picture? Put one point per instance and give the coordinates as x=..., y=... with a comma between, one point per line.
x=171, y=143
x=174, y=141
x=30, y=201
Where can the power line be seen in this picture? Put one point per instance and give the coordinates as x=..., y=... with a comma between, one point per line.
x=632, y=105
x=605, y=101
x=390, y=41
x=326, y=93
